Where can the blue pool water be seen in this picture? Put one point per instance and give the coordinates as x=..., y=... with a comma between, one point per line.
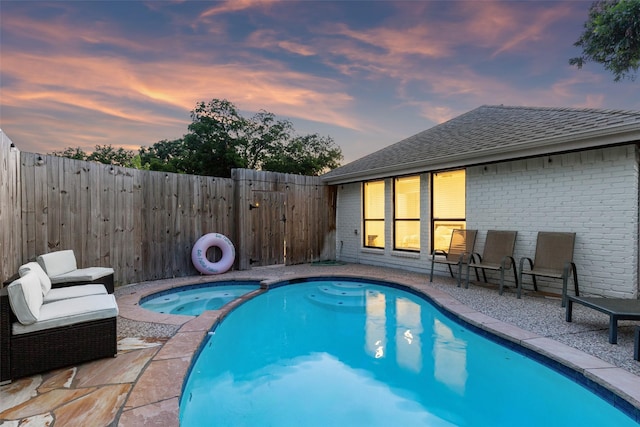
x=193, y=300
x=345, y=353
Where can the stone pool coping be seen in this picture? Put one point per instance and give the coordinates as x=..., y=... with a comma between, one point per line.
x=155, y=396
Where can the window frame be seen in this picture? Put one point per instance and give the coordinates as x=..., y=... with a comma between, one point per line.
x=396, y=219
x=435, y=220
x=366, y=220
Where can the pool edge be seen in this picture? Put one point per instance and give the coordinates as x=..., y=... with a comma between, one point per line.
x=625, y=392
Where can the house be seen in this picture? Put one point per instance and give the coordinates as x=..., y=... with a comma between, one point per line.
x=505, y=168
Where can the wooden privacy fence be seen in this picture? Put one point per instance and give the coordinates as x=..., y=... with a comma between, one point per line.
x=284, y=218
x=144, y=223
x=10, y=243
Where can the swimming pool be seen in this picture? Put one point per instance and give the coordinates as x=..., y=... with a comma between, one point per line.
x=342, y=352
x=192, y=300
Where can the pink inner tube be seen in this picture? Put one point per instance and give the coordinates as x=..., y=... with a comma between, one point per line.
x=199, y=254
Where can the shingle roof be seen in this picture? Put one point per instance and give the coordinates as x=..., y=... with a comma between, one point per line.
x=494, y=133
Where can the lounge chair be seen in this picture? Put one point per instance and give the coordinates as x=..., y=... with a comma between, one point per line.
x=497, y=255
x=616, y=308
x=62, y=269
x=459, y=253
x=37, y=337
x=553, y=258
x=50, y=294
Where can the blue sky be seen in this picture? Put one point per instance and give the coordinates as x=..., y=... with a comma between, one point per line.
x=366, y=73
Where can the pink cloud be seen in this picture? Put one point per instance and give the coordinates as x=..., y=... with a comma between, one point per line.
x=496, y=27
x=109, y=84
x=233, y=6
x=120, y=88
x=298, y=48
x=437, y=113
x=418, y=40
x=269, y=39
x=62, y=35
x=466, y=89
x=536, y=29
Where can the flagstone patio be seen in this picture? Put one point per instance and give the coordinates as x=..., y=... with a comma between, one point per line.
x=142, y=385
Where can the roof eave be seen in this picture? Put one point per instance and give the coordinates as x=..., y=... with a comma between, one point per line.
x=624, y=134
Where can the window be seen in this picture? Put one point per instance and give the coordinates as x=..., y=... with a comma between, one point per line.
x=448, y=207
x=373, y=208
x=406, y=220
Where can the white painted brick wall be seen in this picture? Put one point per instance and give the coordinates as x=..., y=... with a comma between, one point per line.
x=594, y=194
x=348, y=222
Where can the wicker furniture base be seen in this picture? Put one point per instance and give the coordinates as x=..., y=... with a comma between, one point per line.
x=5, y=336
x=27, y=354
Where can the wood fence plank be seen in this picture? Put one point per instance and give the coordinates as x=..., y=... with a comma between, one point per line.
x=30, y=219
x=96, y=215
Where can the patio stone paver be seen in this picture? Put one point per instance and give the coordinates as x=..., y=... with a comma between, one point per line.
x=122, y=369
x=628, y=386
x=476, y=318
x=19, y=392
x=161, y=380
x=575, y=359
x=508, y=331
x=98, y=408
x=44, y=403
x=161, y=414
x=43, y=420
x=62, y=379
x=182, y=345
x=203, y=323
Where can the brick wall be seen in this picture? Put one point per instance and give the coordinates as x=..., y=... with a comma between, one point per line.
x=593, y=193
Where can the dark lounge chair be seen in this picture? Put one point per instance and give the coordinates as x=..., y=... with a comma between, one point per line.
x=497, y=255
x=616, y=308
x=459, y=253
x=554, y=259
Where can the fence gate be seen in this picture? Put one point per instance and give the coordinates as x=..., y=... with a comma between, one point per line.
x=268, y=222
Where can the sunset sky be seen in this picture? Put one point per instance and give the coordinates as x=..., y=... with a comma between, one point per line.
x=366, y=73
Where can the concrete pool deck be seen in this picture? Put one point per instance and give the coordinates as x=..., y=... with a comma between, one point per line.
x=142, y=385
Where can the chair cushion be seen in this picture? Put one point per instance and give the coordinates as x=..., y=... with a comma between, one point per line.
x=88, y=274
x=71, y=311
x=25, y=298
x=60, y=262
x=76, y=291
x=45, y=282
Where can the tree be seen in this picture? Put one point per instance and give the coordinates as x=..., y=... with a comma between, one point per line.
x=72, y=153
x=165, y=156
x=264, y=134
x=305, y=155
x=220, y=139
x=611, y=37
x=212, y=146
x=112, y=156
x=106, y=154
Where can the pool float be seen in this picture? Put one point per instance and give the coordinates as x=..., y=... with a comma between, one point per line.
x=199, y=254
